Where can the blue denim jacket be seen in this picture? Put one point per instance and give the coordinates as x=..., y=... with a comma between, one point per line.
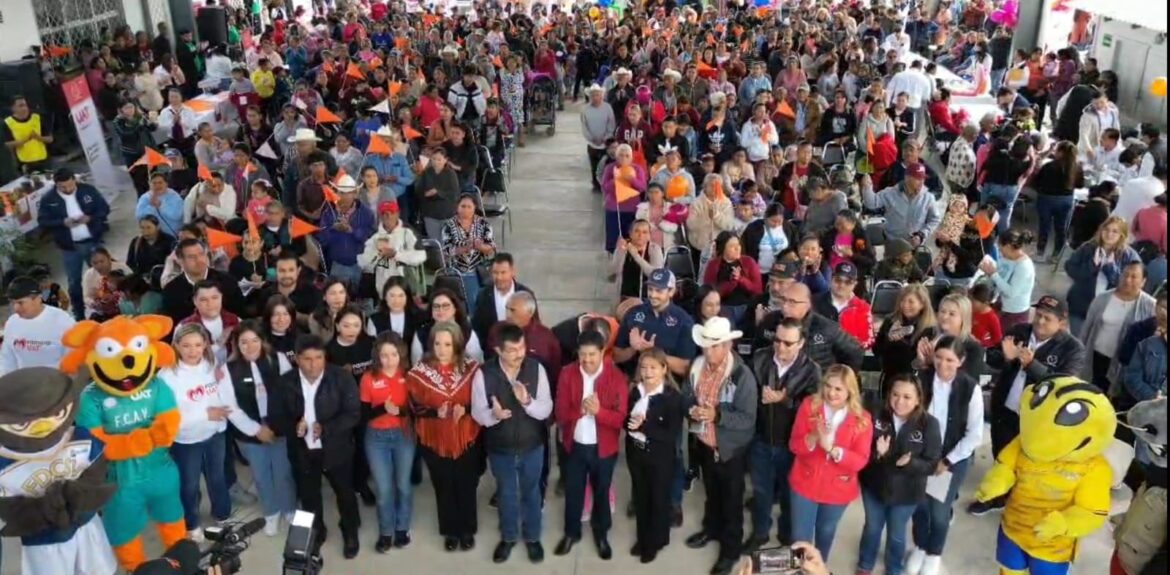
x=393, y=165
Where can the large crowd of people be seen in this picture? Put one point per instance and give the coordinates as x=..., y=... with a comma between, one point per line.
x=791, y=297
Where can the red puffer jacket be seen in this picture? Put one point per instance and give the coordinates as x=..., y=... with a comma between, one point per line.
x=815, y=476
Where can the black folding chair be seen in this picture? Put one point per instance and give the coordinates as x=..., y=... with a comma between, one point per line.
x=875, y=231
x=884, y=300
x=679, y=261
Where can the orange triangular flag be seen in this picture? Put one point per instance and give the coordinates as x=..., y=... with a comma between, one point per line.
x=623, y=191
x=221, y=239
x=547, y=28
x=340, y=174
x=203, y=172
x=253, y=229
x=410, y=133
x=324, y=116
x=376, y=62
x=706, y=71
x=354, y=72
x=299, y=228
x=718, y=185
x=869, y=142
x=379, y=147
x=497, y=62
x=402, y=42
x=395, y=88
x=152, y=158
x=330, y=193
x=327, y=67
x=785, y=110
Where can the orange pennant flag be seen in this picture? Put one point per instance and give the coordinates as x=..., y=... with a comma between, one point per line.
x=402, y=42
x=547, y=28
x=203, y=172
x=300, y=228
x=869, y=142
x=410, y=133
x=497, y=62
x=706, y=71
x=253, y=229
x=379, y=147
x=395, y=88
x=623, y=191
x=718, y=185
x=376, y=62
x=221, y=239
x=152, y=158
x=354, y=72
x=647, y=31
x=340, y=174
x=330, y=193
x=249, y=168
x=785, y=110
x=327, y=67
x=324, y=116
x=496, y=91
x=677, y=188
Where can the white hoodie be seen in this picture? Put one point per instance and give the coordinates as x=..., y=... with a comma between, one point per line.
x=196, y=388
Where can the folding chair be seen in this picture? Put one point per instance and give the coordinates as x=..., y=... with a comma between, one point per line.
x=434, y=251
x=924, y=259
x=679, y=262
x=498, y=209
x=875, y=231
x=938, y=289
x=884, y=300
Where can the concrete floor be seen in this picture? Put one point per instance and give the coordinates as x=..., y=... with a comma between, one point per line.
x=557, y=238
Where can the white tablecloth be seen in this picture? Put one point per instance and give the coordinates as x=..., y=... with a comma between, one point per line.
x=218, y=115
x=976, y=106
x=25, y=217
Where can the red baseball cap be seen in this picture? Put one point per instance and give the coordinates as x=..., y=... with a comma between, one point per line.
x=916, y=171
x=387, y=208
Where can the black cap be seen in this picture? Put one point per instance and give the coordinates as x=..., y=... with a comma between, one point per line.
x=845, y=270
x=1052, y=304
x=782, y=271
x=23, y=287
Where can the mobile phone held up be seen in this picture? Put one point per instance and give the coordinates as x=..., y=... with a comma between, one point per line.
x=777, y=560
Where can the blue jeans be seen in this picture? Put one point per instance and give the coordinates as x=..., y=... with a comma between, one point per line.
x=932, y=518
x=816, y=522
x=75, y=261
x=350, y=274
x=471, y=290
x=390, y=453
x=1054, y=212
x=273, y=475
x=769, y=467
x=518, y=488
x=1008, y=195
x=202, y=459
x=997, y=77
x=891, y=518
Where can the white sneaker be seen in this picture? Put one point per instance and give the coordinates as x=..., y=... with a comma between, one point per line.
x=195, y=535
x=272, y=525
x=915, y=561
x=932, y=565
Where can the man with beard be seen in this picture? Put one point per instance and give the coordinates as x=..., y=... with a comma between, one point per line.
x=288, y=284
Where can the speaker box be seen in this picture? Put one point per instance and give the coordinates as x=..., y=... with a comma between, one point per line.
x=23, y=78
x=211, y=25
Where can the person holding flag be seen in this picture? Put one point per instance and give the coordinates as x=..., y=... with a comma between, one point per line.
x=386, y=155
x=346, y=224
x=623, y=184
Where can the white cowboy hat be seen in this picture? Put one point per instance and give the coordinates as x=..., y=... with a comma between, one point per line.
x=672, y=74
x=623, y=72
x=303, y=135
x=717, y=330
x=594, y=88
x=345, y=184
x=384, y=131
x=449, y=49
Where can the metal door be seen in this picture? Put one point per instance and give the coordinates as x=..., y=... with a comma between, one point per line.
x=1129, y=62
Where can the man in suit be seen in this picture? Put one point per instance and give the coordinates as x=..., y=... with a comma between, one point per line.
x=1032, y=352
x=317, y=405
x=493, y=299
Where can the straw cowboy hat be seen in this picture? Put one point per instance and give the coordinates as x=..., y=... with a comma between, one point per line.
x=672, y=74
x=304, y=135
x=717, y=330
x=623, y=72
x=594, y=88
x=346, y=184
x=449, y=49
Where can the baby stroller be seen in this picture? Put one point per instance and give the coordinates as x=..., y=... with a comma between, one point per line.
x=542, y=103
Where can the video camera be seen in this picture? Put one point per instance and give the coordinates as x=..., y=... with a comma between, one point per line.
x=777, y=561
x=185, y=557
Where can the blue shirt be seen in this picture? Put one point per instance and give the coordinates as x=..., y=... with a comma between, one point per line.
x=169, y=212
x=296, y=59
x=671, y=329
x=343, y=247
x=393, y=165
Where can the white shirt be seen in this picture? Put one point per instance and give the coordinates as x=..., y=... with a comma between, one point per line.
x=196, y=389
x=940, y=403
x=1138, y=193
x=227, y=394
x=915, y=84
x=940, y=408
x=585, y=432
x=502, y=301
x=835, y=419
x=214, y=327
x=1112, y=323
x=898, y=423
x=34, y=342
x=79, y=231
x=772, y=242
x=1017, y=389
x=640, y=408
x=781, y=368
x=309, y=389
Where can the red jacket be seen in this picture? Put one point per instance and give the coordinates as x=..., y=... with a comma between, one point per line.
x=815, y=476
x=749, y=277
x=613, y=392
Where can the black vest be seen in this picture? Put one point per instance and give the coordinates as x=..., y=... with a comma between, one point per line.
x=959, y=405
x=520, y=433
x=381, y=321
x=245, y=386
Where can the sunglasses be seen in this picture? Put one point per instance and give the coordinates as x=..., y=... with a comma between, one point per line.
x=787, y=343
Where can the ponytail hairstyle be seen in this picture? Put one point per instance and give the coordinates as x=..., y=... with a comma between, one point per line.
x=1016, y=238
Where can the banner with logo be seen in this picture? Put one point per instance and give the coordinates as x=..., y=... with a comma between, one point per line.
x=89, y=133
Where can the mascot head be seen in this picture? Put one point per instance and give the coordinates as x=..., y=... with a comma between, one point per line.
x=1148, y=422
x=38, y=408
x=122, y=354
x=1065, y=419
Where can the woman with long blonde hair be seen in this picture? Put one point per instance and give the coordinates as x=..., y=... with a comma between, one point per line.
x=1096, y=266
x=954, y=319
x=830, y=443
x=654, y=424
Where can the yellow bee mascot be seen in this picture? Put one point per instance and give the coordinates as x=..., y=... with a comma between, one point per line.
x=1056, y=473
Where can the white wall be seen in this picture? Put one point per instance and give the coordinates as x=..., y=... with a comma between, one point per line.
x=135, y=17
x=1137, y=55
x=19, y=29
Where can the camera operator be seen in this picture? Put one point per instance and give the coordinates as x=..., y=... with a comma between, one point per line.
x=180, y=559
x=811, y=562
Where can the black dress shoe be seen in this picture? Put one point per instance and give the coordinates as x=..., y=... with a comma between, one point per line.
x=676, y=519
x=401, y=539
x=535, y=551
x=699, y=540
x=450, y=543
x=754, y=542
x=603, y=549
x=648, y=556
x=467, y=542
x=566, y=545
x=636, y=550
x=350, y=546
x=503, y=551
x=723, y=567
x=384, y=544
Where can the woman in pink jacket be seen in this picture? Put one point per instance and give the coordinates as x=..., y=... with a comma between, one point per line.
x=619, y=214
x=831, y=440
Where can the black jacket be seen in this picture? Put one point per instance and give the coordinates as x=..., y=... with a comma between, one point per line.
x=664, y=417
x=244, y=386
x=142, y=256
x=824, y=341
x=754, y=233
x=897, y=356
x=381, y=322
x=485, y=312
x=957, y=408
x=178, y=294
x=1062, y=354
x=774, y=421
x=338, y=411
x=906, y=485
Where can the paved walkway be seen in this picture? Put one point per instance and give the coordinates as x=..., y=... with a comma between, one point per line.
x=557, y=238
